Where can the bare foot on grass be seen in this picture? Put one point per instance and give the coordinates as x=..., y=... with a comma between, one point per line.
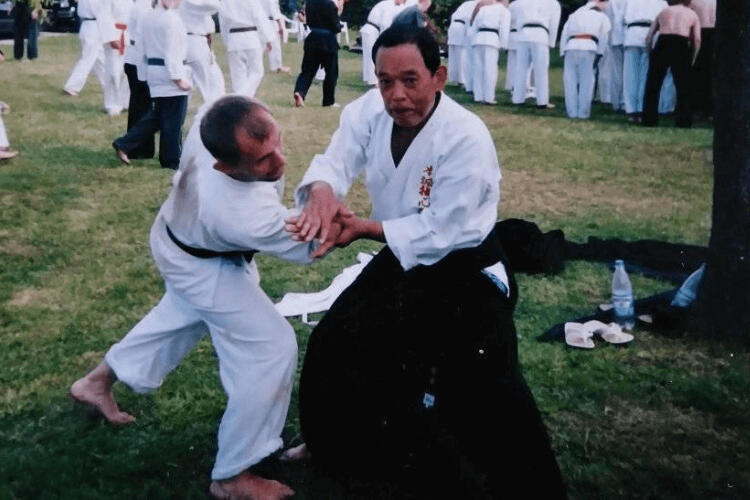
x=95, y=391
x=246, y=486
x=295, y=454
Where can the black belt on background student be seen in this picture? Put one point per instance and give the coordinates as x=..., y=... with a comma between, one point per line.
x=460, y=21
x=157, y=61
x=243, y=29
x=491, y=30
x=642, y=24
x=535, y=25
x=87, y=18
x=373, y=24
x=197, y=34
x=202, y=253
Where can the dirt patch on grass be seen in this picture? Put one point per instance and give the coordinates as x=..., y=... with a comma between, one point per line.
x=29, y=297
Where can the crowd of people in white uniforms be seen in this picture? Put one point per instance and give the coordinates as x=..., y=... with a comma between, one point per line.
x=604, y=45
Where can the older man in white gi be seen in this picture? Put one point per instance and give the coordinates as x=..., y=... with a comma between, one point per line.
x=97, y=28
x=637, y=19
x=205, y=71
x=585, y=37
x=538, y=21
x=490, y=27
x=406, y=359
x=246, y=33
x=223, y=207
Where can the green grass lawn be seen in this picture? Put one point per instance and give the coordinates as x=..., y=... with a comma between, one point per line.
x=667, y=417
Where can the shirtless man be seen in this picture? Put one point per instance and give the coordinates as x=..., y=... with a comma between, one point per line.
x=703, y=67
x=677, y=48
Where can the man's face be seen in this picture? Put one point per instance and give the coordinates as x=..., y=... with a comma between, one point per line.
x=407, y=86
x=259, y=160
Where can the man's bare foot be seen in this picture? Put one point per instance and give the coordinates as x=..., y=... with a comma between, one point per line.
x=299, y=101
x=294, y=454
x=121, y=155
x=95, y=391
x=69, y=92
x=283, y=69
x=246, y=486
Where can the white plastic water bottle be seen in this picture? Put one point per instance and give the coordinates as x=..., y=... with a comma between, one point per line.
x=622, y=297
x=687, y=293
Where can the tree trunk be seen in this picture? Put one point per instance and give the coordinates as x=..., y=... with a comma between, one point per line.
x=723, y=306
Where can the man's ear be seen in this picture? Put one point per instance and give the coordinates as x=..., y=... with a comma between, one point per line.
x=442, y=76
x=223, y=167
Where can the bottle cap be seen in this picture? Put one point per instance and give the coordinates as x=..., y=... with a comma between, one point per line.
x=619, y=262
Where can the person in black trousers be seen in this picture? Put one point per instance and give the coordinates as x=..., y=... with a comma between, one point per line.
x=26, y=14
x=676, y=49
x=320, y=50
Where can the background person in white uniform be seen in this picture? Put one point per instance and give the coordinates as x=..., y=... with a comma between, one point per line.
x=490, y=27
x=117, y=92
x=538, y=21
x=246, y=34
x=205, y=71
x=202, y=242
x=584, y=37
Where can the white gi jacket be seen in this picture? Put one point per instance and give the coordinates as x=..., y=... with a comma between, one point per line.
x=239, y=14
x=134, y=50
x=443, y=195
x=513, y=35
x=374, y=17
x=97, y=23
x=460, y=23
x=196, y=16
x=491, y=17
x=586, y=21
x=642, y=12
x=616, y=11
x=164, y=37
x=542, y=12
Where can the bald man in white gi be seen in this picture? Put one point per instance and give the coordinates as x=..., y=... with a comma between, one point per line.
x=205, y=71
x=97, y=28
x=538, y=21
x=246, y=34
x=117, y=92
x=459, y=46
x=584, y=37
x=637, y=18
x=490, y=27
x=223, y=207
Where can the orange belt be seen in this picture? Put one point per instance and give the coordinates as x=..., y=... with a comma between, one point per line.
x=122, y=27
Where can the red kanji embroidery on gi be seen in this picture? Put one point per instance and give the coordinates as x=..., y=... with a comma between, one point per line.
x=425, y=187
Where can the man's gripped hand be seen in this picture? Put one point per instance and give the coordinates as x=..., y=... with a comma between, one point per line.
x=320, y=210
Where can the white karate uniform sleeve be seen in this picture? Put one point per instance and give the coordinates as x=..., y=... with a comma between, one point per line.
x=564, y=36
x=457, y=198
x=175, y=48
x=344, y=159
x=604, y=31
x=505, y=29
x=105, y=22
x=554, y=22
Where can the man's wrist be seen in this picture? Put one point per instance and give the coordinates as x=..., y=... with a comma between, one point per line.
x=372, y=229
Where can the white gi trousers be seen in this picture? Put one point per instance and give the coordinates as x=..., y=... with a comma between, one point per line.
x=511, y=61
x=578, y=80
x=3, y=135
x=485, y=72
x=274, y=57
x=536, y=55
x=116, y=90
x=256, y=349
x=454, y=63
x=467, y=61
x=245, y=70
x=92, y=57
x=204, y=70
x=368, y=67
x=634, y=71
x=616, y=55
x=604, y=78
x=668, y=95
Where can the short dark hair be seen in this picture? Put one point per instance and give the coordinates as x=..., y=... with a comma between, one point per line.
x=220, y=123
x=400, y=34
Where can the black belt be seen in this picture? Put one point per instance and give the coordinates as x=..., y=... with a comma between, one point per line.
x=157, y=61
x=270, y=18
x=132, y=42
x=535, y=25
x=197, y=34
x=202, y=253
x=643, y=24
x=87, y=18
x=513, y=30
x=492, y=30
x=373, y=24
x=240, y=30
x=583, y=36
x=460, y=21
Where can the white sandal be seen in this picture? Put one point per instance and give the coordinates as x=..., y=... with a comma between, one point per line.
x=576, y=335
x=611, y=333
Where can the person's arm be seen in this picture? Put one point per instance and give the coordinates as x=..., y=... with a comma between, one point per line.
x=332, y=16
x=651, y=32
x=695, y=35
x=175, y=45
x=554, y=23
x=564, y=37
